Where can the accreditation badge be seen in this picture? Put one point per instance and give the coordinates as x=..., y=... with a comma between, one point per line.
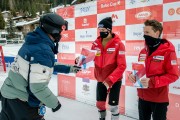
x=42, y=110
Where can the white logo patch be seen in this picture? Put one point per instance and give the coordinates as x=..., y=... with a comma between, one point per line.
x=158, y=57
x=142, y=55
x=121, y=52
x=111, y=49
x=173, y=62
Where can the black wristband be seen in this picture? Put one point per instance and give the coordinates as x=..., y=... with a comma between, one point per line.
x=57, y=108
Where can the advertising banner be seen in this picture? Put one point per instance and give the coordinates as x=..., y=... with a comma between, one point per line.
x=128, y=18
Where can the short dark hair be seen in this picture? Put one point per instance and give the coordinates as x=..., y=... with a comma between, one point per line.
x=157, y=26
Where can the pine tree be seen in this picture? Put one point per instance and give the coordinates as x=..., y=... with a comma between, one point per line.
x=30, y=7
x=2, y=22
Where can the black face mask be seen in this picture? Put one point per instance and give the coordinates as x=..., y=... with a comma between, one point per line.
x=56, y=36
x=104, y=34
x=151, y=41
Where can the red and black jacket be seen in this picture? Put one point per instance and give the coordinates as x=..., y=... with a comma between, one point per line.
x=110, y=61
x=162, y=69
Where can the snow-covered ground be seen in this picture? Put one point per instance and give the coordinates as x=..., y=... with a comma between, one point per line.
x=74, y=110
x=71, y=109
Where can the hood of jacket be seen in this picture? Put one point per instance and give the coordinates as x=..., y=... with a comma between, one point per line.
x=39, y=36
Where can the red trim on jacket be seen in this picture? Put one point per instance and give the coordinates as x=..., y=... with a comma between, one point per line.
x=110, y=62
x=162, y=69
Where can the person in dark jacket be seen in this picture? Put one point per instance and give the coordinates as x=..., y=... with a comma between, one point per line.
x=25, y=91
x=161, y=70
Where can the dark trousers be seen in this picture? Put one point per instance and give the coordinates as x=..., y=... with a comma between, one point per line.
x=15, y=109
x=101, y=93
x=158, y=111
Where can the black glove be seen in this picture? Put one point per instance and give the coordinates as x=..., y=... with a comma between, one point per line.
x=74, y=69
x=57, y=108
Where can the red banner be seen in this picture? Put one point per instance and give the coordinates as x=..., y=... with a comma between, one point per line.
x=139, y=15
x=86, y=22
x=2, y=61
x=67, y=12
x=66, y=86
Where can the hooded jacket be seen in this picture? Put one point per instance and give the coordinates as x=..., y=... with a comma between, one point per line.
x=162, y=69
x=31, y=71
x=110, y=61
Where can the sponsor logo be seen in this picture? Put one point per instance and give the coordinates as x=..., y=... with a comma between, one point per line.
x=66, y=35
x=111, y=4
x=137, y=34
x=158, y=57
x=143, y=15
x=111, y=49
x=100, y=25
x=178, y=10
x=85, y=22
x=65, y=56
x=65, y=47
x=86, y=88
x=173, y=11
x=86, y=72
x=86, y=80
x=114, y=17
x=85, y=9
x=176, y=87
x=86, y=35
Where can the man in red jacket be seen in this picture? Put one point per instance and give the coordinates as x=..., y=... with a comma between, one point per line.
x=110, y=64
x=161, y=70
